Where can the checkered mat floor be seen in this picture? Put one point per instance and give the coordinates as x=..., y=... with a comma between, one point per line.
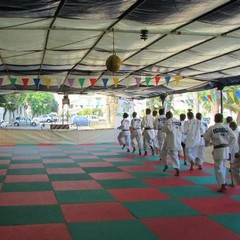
x=94, y=192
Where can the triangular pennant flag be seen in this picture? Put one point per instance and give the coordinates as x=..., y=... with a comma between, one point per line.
x=177, y=79
x=93, y=81
x=115, y=81
x=81, y=81
x=200, y=99
x=210, y=98
x=237, y=93
x=147, y=80
x=167, y=78
x=205, y=98
x=214, y=97
x=231, y=94
x=138, y=81
x=105, y=81
x=70, y=81
x=36, y=82
x=13, y=81
x=48, y=82
x=191, y=101
x=157, y=80
x=225, y=95
x=187, y=102
x=25, y=82
x=1, y=81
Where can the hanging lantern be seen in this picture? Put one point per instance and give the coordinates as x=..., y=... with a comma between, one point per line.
x=113, y=62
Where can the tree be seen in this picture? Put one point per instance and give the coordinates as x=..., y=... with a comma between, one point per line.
x=41, y=103
x=10, y=102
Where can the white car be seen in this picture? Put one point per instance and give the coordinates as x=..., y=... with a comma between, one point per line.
x=45, y=118
x=24, y=121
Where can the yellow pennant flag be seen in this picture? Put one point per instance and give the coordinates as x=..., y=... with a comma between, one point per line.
x=200, y=99
x=231, y=94
x=115, y=81
x=48, y=82
x=177, y=79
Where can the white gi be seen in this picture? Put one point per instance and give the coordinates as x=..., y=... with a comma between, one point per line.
x=149, y=132
x=124, y=135
x=233, y=147
x=220, y=137
x=236, y=166
x=201, y=148
x=192, y=130
x=159, y=124
x=172, y=144
x=136, y=133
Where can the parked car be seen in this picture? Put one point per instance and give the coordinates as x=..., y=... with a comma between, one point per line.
x=24, y=121
x=80, y=121
x=54, y=116
x=45, y=118
x=92, y=118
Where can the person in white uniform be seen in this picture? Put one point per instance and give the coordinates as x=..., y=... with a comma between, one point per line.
x=235, y=167
x=192, y=130
x=200, y=158
x=136, y=133
x=220, y=137
x=172, y=145
x=124, y=135
x=182, y=118
x=149, y=132
x=158, y=126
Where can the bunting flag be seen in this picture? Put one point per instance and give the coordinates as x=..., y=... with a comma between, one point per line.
x=167, y=79
x=13, y=81
x=200, y=99
x=25, y=82
x=231, y=94
x=36, y=82
x=48, y=82
x=93, y=82
x=188, y=102
x=70, y=81
x=210, y=98
x=225, y=95
x=205, y=99
x=214, y=97
x=81, y=81
x=191, y=101
x=177, y=79
x=237, y=93
x=138, y=81
x=147, y=80
x=157, y=80
x=1, y=81
x=105, y=81
x=115, y=81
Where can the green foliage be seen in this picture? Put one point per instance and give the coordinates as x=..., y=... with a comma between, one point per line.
x=91, y=111
x=41, y=103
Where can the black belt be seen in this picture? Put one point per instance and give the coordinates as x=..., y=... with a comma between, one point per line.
x=125, y=130
x=136, y=128
x=220, y=146
x=159, y=129
x=148, y=128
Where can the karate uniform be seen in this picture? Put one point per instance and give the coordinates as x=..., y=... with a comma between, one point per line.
x=136, y=133
x=172, y=144
x=159, y=124
x=236, y=166
x=124, y=135
x=220, y=137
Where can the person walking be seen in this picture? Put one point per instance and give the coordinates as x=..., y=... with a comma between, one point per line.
x=235, y=167
x=220, y=137
x=136, y=133
x=182, y=118
x=172, y=144
x=192, y=130
x=124, y=136
x=149, y=132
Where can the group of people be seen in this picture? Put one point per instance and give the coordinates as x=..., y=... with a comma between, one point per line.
x=187, y=136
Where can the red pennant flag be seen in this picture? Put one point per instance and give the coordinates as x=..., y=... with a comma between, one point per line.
x=25, y=82
x=210, y=98
x=93, y=81
x=157, y=80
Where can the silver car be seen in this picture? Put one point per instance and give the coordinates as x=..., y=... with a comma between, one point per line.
x=24, y=121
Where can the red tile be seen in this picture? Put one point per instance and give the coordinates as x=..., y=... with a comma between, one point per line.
x=152, y=163
x=168, y=181
x=231, y=191
x=27, y=178
x=4, y=162
x=93, y=212
x=111, y=175
x=26, y=165
x=3, y=172
x=75, y=185
x=138, y=194
x=27, y=198
x=95, y=164
x=117, y=159
x=187, y=173
x=137, y=168
x=83, y=157
x=58, y=160
x=26, y=157
x=214, y=205
x=64, y=170
x=189, y=228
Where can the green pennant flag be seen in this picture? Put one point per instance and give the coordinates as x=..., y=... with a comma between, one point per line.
x=147, y=80
x=13, y=81
x=81, y=81
x=214, y=97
